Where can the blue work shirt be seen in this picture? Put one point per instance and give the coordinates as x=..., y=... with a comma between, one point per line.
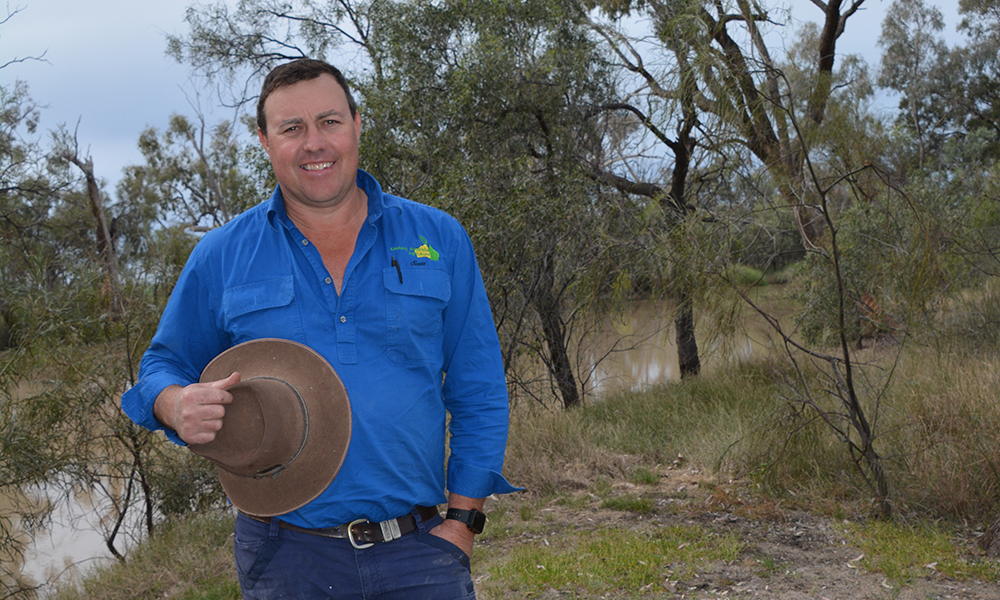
x=411, y=343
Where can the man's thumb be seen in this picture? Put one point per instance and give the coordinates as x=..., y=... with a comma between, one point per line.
x=226, y=383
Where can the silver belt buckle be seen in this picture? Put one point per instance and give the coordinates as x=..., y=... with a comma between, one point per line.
x=350, y=534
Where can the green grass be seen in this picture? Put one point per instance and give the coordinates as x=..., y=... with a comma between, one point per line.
x=611, y=560
x=905, y=552
x=215, y=590
x=629, y=504
x=645, y=476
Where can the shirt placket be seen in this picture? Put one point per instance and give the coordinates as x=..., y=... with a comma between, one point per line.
x=347, y=329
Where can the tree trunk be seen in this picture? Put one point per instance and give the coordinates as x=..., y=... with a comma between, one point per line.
x=687, y=345
x=105, y=246
x=105, y=243
x=559, y=364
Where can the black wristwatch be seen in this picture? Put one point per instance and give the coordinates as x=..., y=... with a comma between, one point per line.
x=473, y=519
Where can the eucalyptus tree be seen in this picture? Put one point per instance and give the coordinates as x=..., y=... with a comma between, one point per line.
x=515, y=84
x=981, y=66
x=747, y=99
x=945, y=92
x=912, y=49
x=736, y=78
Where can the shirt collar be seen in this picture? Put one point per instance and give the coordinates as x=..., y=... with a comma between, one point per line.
x=377, y=202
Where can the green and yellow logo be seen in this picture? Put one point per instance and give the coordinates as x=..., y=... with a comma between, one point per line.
x=423, y=251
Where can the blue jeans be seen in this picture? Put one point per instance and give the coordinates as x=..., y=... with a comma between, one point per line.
x=279, y=563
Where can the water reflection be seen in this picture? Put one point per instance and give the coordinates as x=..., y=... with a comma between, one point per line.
x=638, y=351
x=61, y=552
x=632, y=353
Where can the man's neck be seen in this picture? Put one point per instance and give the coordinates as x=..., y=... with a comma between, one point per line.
x=333, y=231
x=325, y=222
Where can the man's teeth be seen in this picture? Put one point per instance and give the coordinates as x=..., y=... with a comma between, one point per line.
x=317, y=166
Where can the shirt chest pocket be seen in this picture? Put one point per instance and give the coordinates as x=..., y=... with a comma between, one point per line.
x=262, y=309
x=415, y=314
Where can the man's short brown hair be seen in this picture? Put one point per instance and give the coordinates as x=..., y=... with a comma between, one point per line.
x=290, y=73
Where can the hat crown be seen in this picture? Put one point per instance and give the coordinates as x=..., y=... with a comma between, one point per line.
x=251, y=444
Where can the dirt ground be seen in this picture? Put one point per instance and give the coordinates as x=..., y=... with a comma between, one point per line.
x=810, y=556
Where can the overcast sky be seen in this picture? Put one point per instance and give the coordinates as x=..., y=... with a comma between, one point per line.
x=106, y=68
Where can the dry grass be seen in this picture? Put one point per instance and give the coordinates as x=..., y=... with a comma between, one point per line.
x=935, y=418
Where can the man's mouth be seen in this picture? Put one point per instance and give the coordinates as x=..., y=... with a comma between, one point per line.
x=317, y=166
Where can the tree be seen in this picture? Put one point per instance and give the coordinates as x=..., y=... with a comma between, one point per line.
x=734, y=78
x=200, y=182
x=911, y=52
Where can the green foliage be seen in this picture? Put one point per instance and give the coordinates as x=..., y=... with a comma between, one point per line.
x=195, y=174
x=184, y=483
x=75, y=326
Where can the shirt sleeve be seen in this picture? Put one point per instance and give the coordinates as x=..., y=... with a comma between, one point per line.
x=475, y=388
x=185, y=341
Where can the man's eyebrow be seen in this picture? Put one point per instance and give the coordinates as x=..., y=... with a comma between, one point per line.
x=333, y=112
x=290, y=121
x=299, y=120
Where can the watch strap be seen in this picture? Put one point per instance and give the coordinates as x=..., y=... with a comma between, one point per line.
x=473, y=519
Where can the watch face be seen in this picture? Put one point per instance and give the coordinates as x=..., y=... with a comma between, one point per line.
x=478, y=521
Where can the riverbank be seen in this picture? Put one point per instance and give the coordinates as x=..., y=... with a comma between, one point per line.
x=721, y=486
x=675, y=533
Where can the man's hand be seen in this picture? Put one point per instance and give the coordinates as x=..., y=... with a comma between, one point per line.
x=195, y=412
x=455, y=532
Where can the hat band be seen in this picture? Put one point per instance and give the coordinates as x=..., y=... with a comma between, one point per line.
x=275, y=471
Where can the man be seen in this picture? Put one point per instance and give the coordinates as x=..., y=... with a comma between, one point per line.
x=389, y=292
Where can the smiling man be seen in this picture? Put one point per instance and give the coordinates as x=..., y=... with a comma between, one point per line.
x=389, y=293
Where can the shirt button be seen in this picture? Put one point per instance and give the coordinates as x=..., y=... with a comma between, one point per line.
x=328, y=280
x=305, y=242
x=343, y=319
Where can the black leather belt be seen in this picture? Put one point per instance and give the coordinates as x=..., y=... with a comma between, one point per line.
x=363, y=533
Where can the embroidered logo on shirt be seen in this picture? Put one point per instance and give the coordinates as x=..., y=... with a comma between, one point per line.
x=423, y=251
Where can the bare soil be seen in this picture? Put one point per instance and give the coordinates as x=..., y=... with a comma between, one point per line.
x=788, y=554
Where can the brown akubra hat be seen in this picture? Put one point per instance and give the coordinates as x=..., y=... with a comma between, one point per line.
x=285, y=435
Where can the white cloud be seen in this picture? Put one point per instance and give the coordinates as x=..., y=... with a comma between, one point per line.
x=105, y=67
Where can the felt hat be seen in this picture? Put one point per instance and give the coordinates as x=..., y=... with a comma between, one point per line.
x=285, y=435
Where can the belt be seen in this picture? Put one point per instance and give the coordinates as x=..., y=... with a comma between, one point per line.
x=362, y=533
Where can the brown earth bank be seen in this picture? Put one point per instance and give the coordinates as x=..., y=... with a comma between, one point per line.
x=807, y=556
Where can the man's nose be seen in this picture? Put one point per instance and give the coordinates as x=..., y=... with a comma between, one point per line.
x=314, y=140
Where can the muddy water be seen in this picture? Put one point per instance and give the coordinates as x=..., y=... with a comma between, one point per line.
x=638, y=351
x=64, y=550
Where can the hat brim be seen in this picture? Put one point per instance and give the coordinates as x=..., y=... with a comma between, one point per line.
x=329, y=431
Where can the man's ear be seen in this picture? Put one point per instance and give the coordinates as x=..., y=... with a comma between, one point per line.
x=263, y=140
